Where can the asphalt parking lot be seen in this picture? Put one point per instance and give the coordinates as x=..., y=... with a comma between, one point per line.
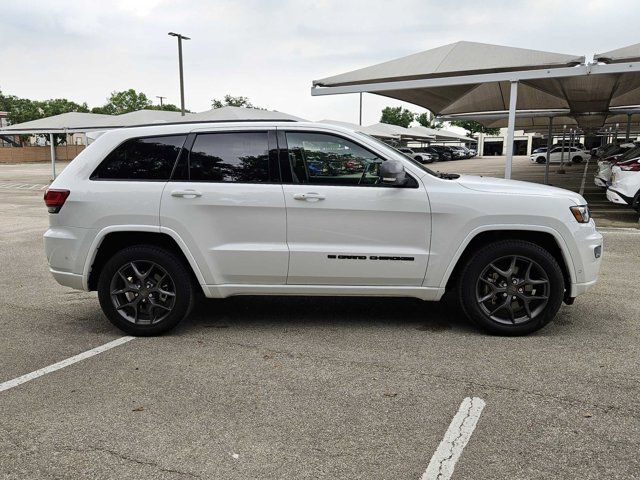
x=301, y=388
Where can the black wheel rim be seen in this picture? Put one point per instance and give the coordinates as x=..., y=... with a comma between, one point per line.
x=513, y=290
x=143, y=292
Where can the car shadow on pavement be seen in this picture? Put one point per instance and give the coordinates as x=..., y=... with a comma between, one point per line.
x=249, y=311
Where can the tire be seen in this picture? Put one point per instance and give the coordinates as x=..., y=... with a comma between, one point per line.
x=418, y=159
x=541, y=160
x=140, y=309
x=577, y=159
x=479, y=279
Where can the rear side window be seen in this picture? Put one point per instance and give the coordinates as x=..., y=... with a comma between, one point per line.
x=236, y=157
x=149, y=158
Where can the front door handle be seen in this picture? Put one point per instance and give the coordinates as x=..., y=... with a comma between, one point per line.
x=188, y=193
x=310, y=197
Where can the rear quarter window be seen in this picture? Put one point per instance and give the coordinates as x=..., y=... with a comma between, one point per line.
x=148, y=158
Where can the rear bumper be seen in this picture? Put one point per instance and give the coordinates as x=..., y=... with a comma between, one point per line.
x=66, y=249
x=600, y=182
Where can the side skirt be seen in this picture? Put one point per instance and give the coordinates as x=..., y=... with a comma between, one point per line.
x=423, y=293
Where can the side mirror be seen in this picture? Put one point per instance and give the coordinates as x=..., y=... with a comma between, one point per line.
x=392, y=173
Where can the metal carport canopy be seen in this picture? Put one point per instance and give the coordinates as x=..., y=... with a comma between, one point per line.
x=469, y=77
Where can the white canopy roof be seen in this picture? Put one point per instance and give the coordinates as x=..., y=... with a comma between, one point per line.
x=441, y=135
x=399, y=131
x=454, y=59
x=84, y=122
x=240, y=113
x=468, y=77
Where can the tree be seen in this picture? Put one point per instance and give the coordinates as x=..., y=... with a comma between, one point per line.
x=167, y=107
x=426, y=119
x=231, y=101
x=124, y=102
x=474, y=127
x=397, y=116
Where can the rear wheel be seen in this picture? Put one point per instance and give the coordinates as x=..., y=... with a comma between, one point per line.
x=512, y=287
x=145, y=290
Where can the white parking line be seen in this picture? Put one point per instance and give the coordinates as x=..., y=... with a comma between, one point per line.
x=584, y=177
x=64, y=363
x=455, y=439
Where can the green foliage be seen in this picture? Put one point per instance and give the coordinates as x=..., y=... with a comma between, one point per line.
x=426, y=119
x=231, y=101
x=397, y=116
x=167, y=107
x=124, y=102
x=474, y=127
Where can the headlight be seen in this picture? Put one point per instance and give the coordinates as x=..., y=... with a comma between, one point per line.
x=581, y=213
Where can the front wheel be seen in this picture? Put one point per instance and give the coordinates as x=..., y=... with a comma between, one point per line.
x=145, y=290
x=541, y=160
x=511, y=287
x=576, y=159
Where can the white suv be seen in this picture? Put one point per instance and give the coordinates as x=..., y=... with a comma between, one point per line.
x=148, y=216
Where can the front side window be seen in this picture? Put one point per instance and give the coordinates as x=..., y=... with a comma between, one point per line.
x=239, y=157
x=149, y=158
x=324, y=159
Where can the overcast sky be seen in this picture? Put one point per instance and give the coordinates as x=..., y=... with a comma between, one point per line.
x=271, y=50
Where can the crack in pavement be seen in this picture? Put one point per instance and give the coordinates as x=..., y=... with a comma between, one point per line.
x=92, y=448
x=453, y=443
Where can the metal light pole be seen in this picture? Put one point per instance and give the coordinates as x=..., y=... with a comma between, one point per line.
x=161, y=98
x=180, y=37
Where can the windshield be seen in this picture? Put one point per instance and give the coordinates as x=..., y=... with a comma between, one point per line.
x=392, y=150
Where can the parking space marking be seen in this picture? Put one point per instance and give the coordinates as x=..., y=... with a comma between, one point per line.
x=455, y=439
x=64, y=363
x=23, y=186
x=584, y=177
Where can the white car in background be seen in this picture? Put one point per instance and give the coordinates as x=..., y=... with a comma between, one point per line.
x=627, y=151
x=421, y=157
x=573, y=155
x=625, y=184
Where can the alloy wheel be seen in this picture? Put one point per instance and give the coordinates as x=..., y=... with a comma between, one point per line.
x=142, y=292
x=513, y=290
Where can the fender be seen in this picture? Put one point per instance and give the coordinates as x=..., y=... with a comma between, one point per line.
x=95, y=244
x=566, y=253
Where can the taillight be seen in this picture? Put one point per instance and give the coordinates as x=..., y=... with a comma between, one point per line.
x=631, y=166
x=54, y=199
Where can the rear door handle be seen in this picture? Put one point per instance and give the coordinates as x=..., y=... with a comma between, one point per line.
x=310, y=197
x=188, y=193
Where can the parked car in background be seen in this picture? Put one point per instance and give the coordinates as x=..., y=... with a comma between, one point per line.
x=445, y=153
x=539, y=150
x=422, y=157
x=625, y=184
x=627, y=151
x=225, y=209
x=573, y=154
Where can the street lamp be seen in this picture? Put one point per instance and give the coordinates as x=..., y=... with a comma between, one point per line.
x=180, y=37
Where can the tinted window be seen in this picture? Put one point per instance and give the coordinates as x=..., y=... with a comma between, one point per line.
x=318, y=158
x=150, y=158
x=230, y=157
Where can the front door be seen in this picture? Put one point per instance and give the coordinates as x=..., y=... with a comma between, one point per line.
x=343, y=226
x=226, y=203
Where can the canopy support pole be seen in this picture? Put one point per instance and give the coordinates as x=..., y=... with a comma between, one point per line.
x=513, y=99
x=628, y=133
x=549, y=146
x=561, y=169
x=53, y=156
x=360, y=109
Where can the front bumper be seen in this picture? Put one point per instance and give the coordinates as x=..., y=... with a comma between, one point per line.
x=617, y=197
x=587, y=258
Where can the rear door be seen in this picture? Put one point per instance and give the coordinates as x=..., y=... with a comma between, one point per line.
x=343, y=227
x=226, y=202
